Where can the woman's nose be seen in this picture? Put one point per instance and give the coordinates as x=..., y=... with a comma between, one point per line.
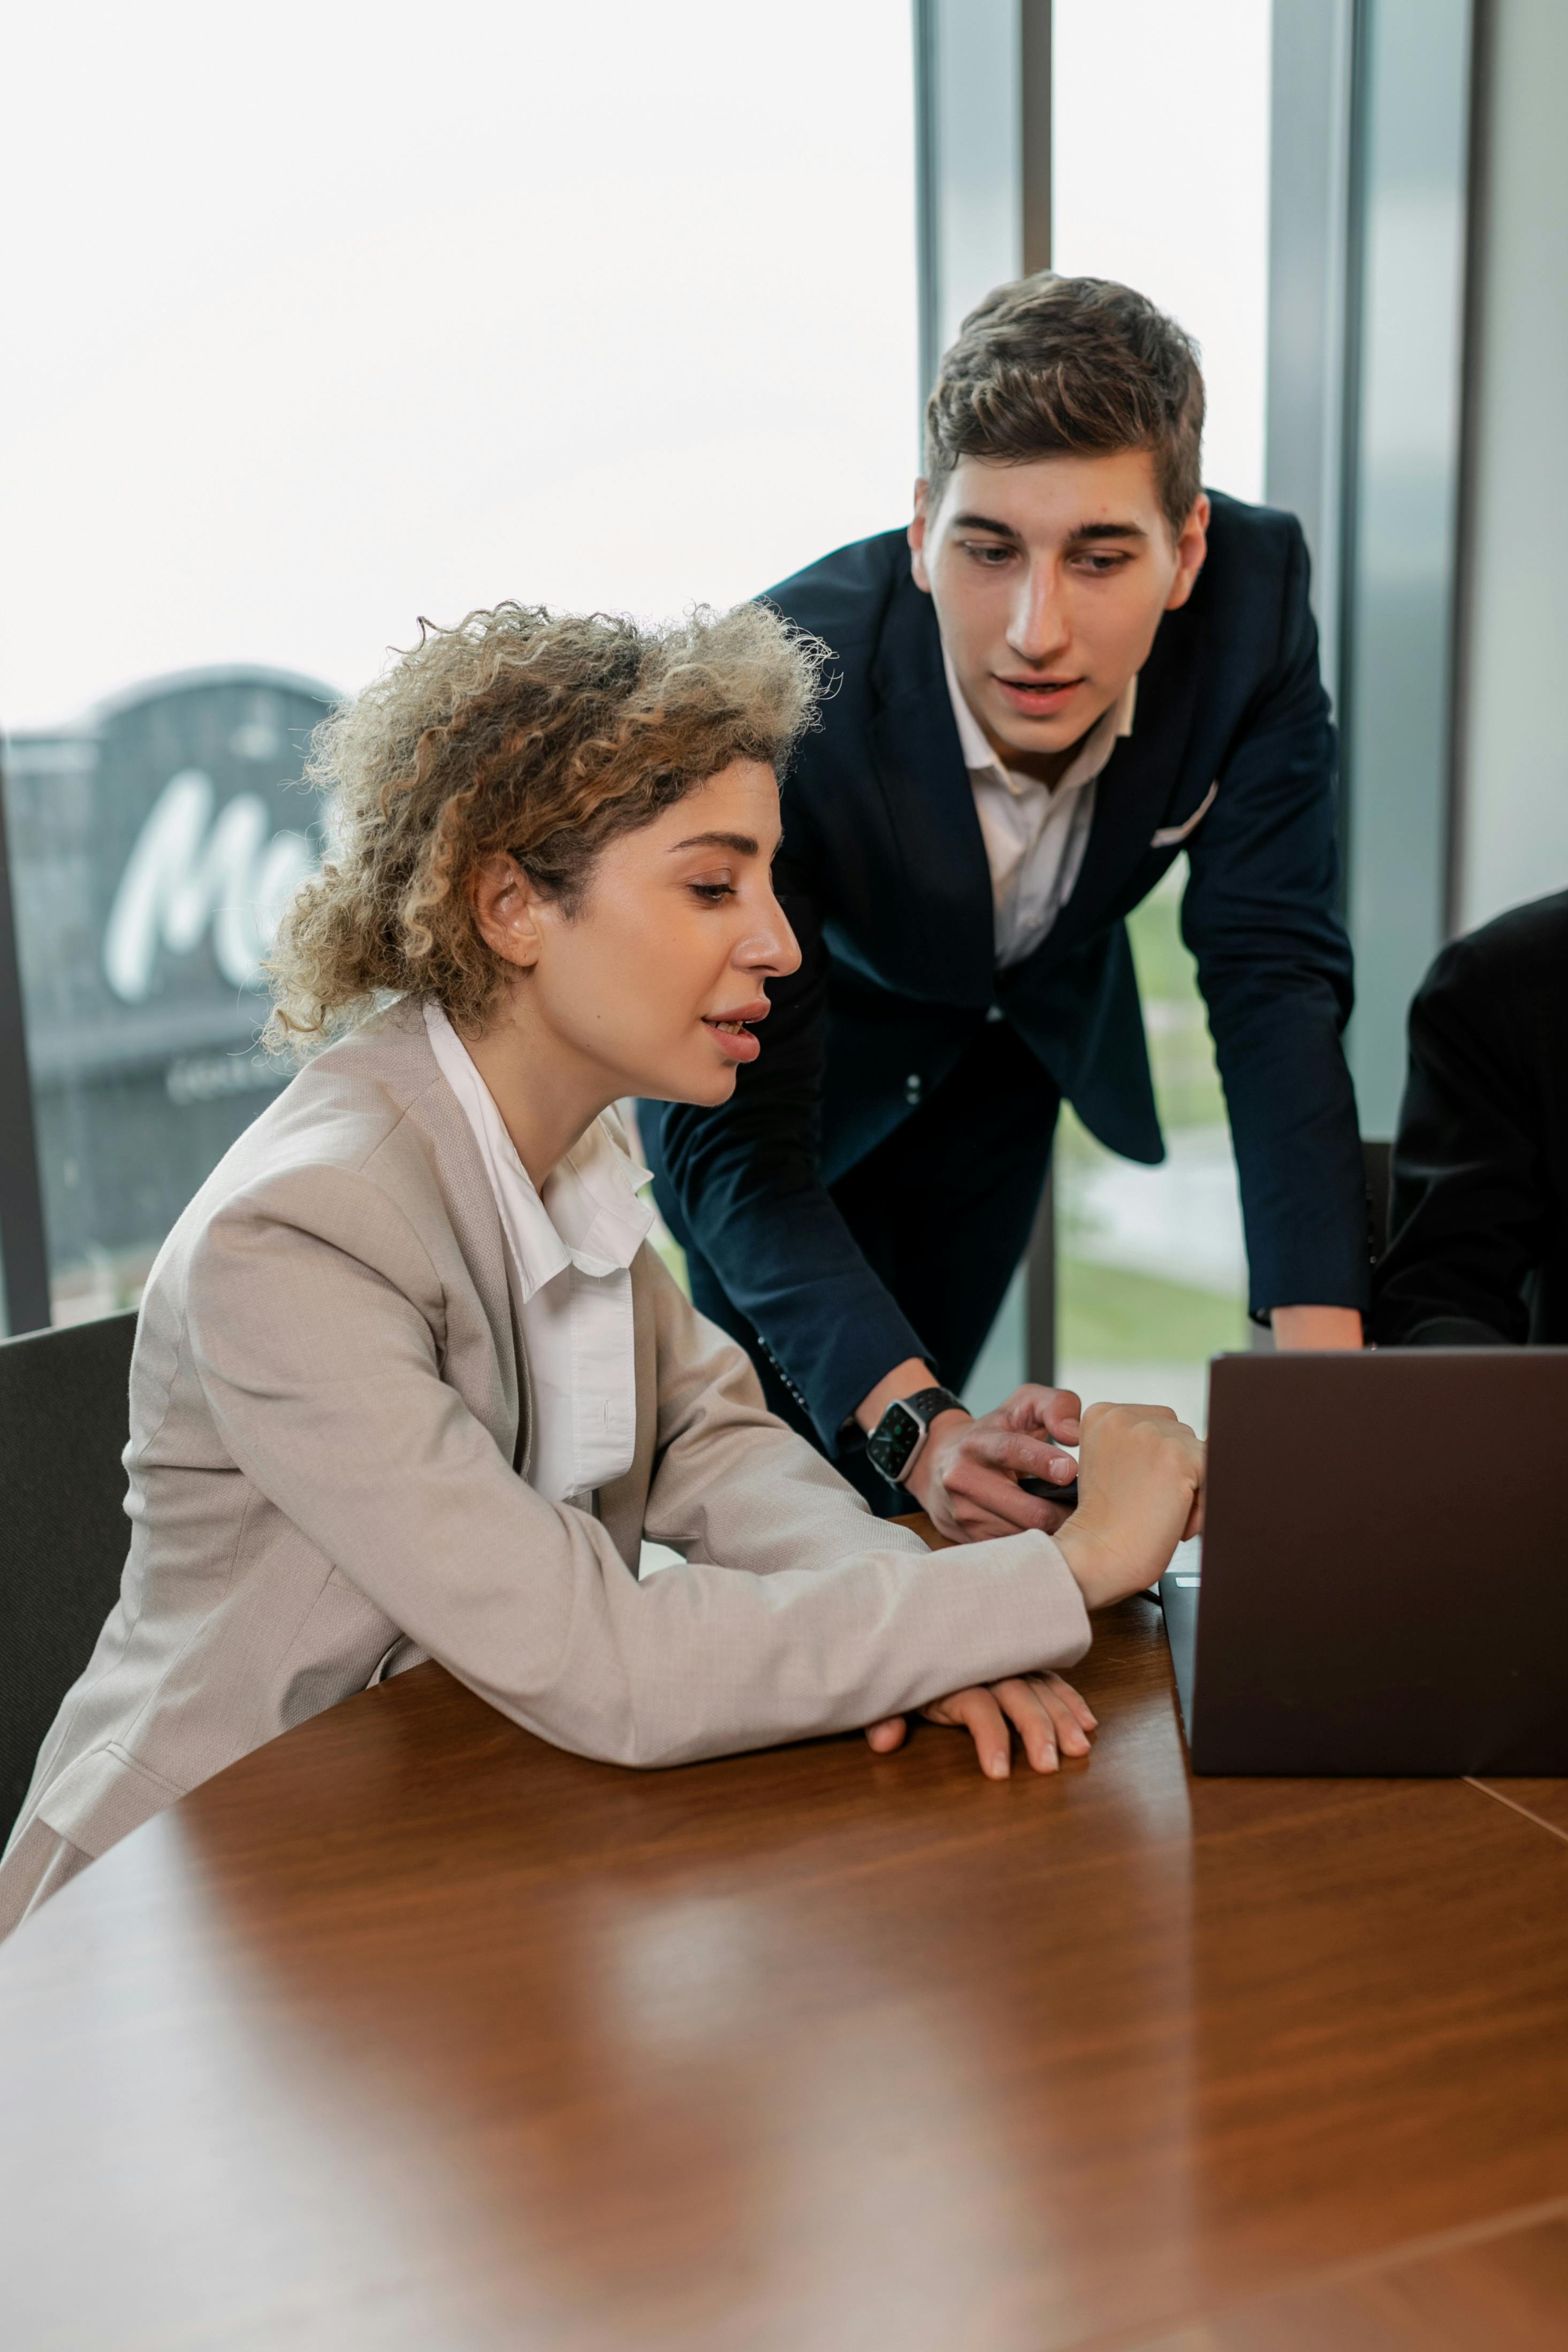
x=772, y=951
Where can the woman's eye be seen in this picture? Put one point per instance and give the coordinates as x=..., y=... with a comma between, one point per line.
x=712, y=893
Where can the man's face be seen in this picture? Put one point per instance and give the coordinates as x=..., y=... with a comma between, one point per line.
x=1048, y=581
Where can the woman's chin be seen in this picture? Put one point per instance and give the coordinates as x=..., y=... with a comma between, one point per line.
x=714, y=1086
x=702, y=1088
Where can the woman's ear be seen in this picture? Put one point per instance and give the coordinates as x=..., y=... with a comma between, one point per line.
x=506, y=908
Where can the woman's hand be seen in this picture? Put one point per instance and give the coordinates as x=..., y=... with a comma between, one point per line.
x=1050, y=1717
x=1141, y=1492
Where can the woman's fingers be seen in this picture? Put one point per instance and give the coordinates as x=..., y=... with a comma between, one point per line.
x=975, y=1711
x=1037, y=1726
x=1048, y=1714
x=884, y=1737
x=1072, y=1715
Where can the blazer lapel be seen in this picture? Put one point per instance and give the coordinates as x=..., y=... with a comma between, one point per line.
x=1135, y=785
x=403, y=1050
x=948, y=927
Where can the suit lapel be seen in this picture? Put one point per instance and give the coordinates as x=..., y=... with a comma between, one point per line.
x=930, y=804
x=401, y=1049
x=1134, y=793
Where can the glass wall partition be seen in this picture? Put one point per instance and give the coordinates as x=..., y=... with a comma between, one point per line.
x=339, y=318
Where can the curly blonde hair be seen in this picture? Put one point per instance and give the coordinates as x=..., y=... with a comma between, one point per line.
x=542, y=734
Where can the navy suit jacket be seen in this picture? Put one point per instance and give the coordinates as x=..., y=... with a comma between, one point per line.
x=883, y=874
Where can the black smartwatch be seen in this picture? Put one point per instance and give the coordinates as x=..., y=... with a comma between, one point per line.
x=895, y=1443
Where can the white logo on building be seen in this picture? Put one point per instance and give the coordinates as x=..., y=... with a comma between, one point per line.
x=187, y=875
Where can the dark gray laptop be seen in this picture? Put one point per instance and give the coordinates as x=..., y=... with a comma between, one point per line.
x=1381, y=1582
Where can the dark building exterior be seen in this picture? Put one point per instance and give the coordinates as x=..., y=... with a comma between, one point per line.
x=151, y=851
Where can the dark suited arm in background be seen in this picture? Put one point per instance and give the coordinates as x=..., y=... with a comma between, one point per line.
x=1472, y=1211
x=747, y=1179
x=1274, y=965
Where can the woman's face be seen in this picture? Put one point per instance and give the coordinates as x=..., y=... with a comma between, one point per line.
x=654, y=985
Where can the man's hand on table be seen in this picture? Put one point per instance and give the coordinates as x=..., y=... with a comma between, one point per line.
x=966, y=1477
x=1141, y=1479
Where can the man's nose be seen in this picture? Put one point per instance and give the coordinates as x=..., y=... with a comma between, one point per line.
x=1039, y=625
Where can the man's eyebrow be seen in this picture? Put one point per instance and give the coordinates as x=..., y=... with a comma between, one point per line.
x=743, y=843
x=984, y=522
x=1082, y=531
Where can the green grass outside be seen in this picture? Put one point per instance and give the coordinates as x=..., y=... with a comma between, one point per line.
x=1108, y=1315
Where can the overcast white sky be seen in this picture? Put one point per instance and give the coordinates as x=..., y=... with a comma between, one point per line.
x=1160, y=177
x=328, y=315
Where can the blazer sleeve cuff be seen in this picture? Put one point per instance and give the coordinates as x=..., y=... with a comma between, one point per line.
x=871, y=1339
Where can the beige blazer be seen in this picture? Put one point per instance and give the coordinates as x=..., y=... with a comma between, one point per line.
x=328, y=1474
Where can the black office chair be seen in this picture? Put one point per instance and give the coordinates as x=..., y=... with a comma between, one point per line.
x=1375, y=1159
x=63, y=1420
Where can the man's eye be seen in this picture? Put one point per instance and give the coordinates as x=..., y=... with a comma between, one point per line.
x=1102, y=564
x=991, y=558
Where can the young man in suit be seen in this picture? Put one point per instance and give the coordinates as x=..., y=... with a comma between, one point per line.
x=1478, y=1251
x=1073, y=667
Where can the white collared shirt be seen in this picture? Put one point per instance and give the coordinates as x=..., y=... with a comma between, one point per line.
x=571, y=1248
x=1035, y=834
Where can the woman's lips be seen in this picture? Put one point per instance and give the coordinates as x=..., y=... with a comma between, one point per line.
x=1041, y=701
x=731, y=1034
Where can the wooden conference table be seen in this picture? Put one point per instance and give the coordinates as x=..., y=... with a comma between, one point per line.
x=409, y=2032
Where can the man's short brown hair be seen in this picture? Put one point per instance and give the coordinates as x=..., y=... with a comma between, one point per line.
x=1052, y=366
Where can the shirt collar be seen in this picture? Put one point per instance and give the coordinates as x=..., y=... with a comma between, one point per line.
x=588, y=1214
x=1098, y=744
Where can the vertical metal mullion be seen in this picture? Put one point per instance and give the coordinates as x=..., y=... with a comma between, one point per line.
x=1034, y=89
x=1348, y=518
x=24, y=1252
x=927, y=287
x=1483, y=44
x=1034, y=83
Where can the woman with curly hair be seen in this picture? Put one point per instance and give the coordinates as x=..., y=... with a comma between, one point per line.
x=409, y=1382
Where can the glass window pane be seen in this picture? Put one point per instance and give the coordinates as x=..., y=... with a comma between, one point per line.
x=355, y=317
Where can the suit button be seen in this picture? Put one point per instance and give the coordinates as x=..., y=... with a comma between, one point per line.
x=912, y=1087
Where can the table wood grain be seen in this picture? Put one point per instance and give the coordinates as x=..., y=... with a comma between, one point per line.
x=410, y=2031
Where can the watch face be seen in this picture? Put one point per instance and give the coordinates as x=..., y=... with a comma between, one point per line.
x=894, y=1439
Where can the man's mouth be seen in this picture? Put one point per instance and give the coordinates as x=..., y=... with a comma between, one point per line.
x=1037, y=695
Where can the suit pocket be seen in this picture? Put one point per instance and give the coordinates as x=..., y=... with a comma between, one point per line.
x=102, y=1796
x=1169, y=835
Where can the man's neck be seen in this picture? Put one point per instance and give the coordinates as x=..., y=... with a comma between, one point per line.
x=1046, y=768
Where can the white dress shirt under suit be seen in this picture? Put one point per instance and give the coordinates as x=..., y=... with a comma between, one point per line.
x=571, y=1248
x=1035, y=834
